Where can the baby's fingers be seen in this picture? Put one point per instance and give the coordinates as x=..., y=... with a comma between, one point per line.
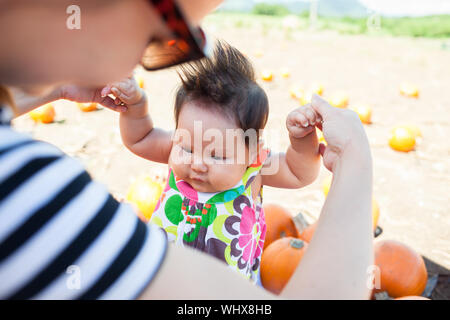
x=297, y=119
x=111, y=104
x=124, y=97
x=310, y=115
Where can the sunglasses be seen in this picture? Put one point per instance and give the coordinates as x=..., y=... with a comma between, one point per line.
x=187, y=44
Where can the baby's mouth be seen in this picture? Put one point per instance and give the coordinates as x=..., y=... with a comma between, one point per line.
x=197, y=179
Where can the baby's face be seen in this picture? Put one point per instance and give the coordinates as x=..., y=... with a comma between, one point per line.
x=208, y=150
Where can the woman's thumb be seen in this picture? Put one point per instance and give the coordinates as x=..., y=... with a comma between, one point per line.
x=321, y=106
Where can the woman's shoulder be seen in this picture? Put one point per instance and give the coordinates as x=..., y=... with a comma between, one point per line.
x=23, y=145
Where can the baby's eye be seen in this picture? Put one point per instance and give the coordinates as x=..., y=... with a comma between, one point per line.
x=188, y=150
x=218, y=157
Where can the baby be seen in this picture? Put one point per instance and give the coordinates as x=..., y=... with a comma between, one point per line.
x=217, y=162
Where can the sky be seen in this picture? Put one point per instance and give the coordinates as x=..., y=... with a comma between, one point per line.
x=408, y=7
x=398, y=7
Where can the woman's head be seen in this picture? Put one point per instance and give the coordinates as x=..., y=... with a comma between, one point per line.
x=39, y=51
x=220, y=111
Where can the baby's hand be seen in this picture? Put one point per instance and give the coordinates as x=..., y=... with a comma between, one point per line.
x=302, y=121
x=128, y=95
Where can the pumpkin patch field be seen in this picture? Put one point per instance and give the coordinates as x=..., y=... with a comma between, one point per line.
x=398, y=86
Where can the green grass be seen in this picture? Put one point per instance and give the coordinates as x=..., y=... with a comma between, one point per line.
x=426, y=27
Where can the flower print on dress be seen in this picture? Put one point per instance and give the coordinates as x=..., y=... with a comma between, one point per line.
x=252, y=234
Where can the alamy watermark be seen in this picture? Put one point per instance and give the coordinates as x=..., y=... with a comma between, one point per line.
x=73, y=22
x=73, y=281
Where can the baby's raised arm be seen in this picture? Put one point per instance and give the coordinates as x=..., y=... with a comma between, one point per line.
x=136, y=125
x=300, y=164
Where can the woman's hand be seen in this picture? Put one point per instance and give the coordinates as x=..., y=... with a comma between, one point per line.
x=343, y=132
x=129, y=97
x=87, y=94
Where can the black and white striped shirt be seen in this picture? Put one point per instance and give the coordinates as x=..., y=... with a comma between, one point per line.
x=62, y=235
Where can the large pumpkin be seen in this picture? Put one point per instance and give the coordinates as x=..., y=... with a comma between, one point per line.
x=279, y=261
x=279, y=223
x=144, y=193
x=402, y=270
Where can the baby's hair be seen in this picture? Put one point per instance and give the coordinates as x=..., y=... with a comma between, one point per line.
x=227, y=83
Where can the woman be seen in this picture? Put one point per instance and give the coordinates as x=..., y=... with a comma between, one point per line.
x=55, y=223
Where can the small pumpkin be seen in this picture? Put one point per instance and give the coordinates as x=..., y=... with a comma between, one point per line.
x=285, y=73
x=402, y=139
x=412, y=128
x=339, y=100
x=364, y=113
x=267, y=75
x=296, y=91
x=409, y=90
x=144, y=193
x=87, y=107
x=317, y=87
x=279, y=261
x=44, y=114
x=402, y=270
x=279, y=223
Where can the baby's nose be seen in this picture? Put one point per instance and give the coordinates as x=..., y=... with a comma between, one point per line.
x=199, y=165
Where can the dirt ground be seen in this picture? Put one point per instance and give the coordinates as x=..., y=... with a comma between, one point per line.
x=412, y=189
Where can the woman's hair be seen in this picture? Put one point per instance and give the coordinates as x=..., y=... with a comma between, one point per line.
x=227, y=83
x=6, y=98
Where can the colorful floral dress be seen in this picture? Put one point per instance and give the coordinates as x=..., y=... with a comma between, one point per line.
x=229, y=225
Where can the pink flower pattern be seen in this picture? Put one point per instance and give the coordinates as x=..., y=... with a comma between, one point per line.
x=252, y=234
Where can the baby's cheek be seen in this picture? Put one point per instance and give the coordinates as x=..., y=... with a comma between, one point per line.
x=178, y=166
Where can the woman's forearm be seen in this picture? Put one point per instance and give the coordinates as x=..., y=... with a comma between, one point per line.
x=337, y=259
x=25, y=102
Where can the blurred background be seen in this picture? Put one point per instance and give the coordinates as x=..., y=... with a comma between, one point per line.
x=388, y=60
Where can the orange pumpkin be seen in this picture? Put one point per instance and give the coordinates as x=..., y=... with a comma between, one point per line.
x=402, y=270
x=279, y=223
x=402, y=139
x=296, y=91
x=364, y=113
x=267, y=75
x=279, y=261
x=285, y=73
x=409, y=90
x=144, y=193
x=87, y=107
x=339, y=100
x=44, y=114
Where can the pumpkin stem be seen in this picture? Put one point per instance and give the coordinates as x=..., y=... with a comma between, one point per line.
x=382, y=296
x=296, y=243
x=300, y=222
